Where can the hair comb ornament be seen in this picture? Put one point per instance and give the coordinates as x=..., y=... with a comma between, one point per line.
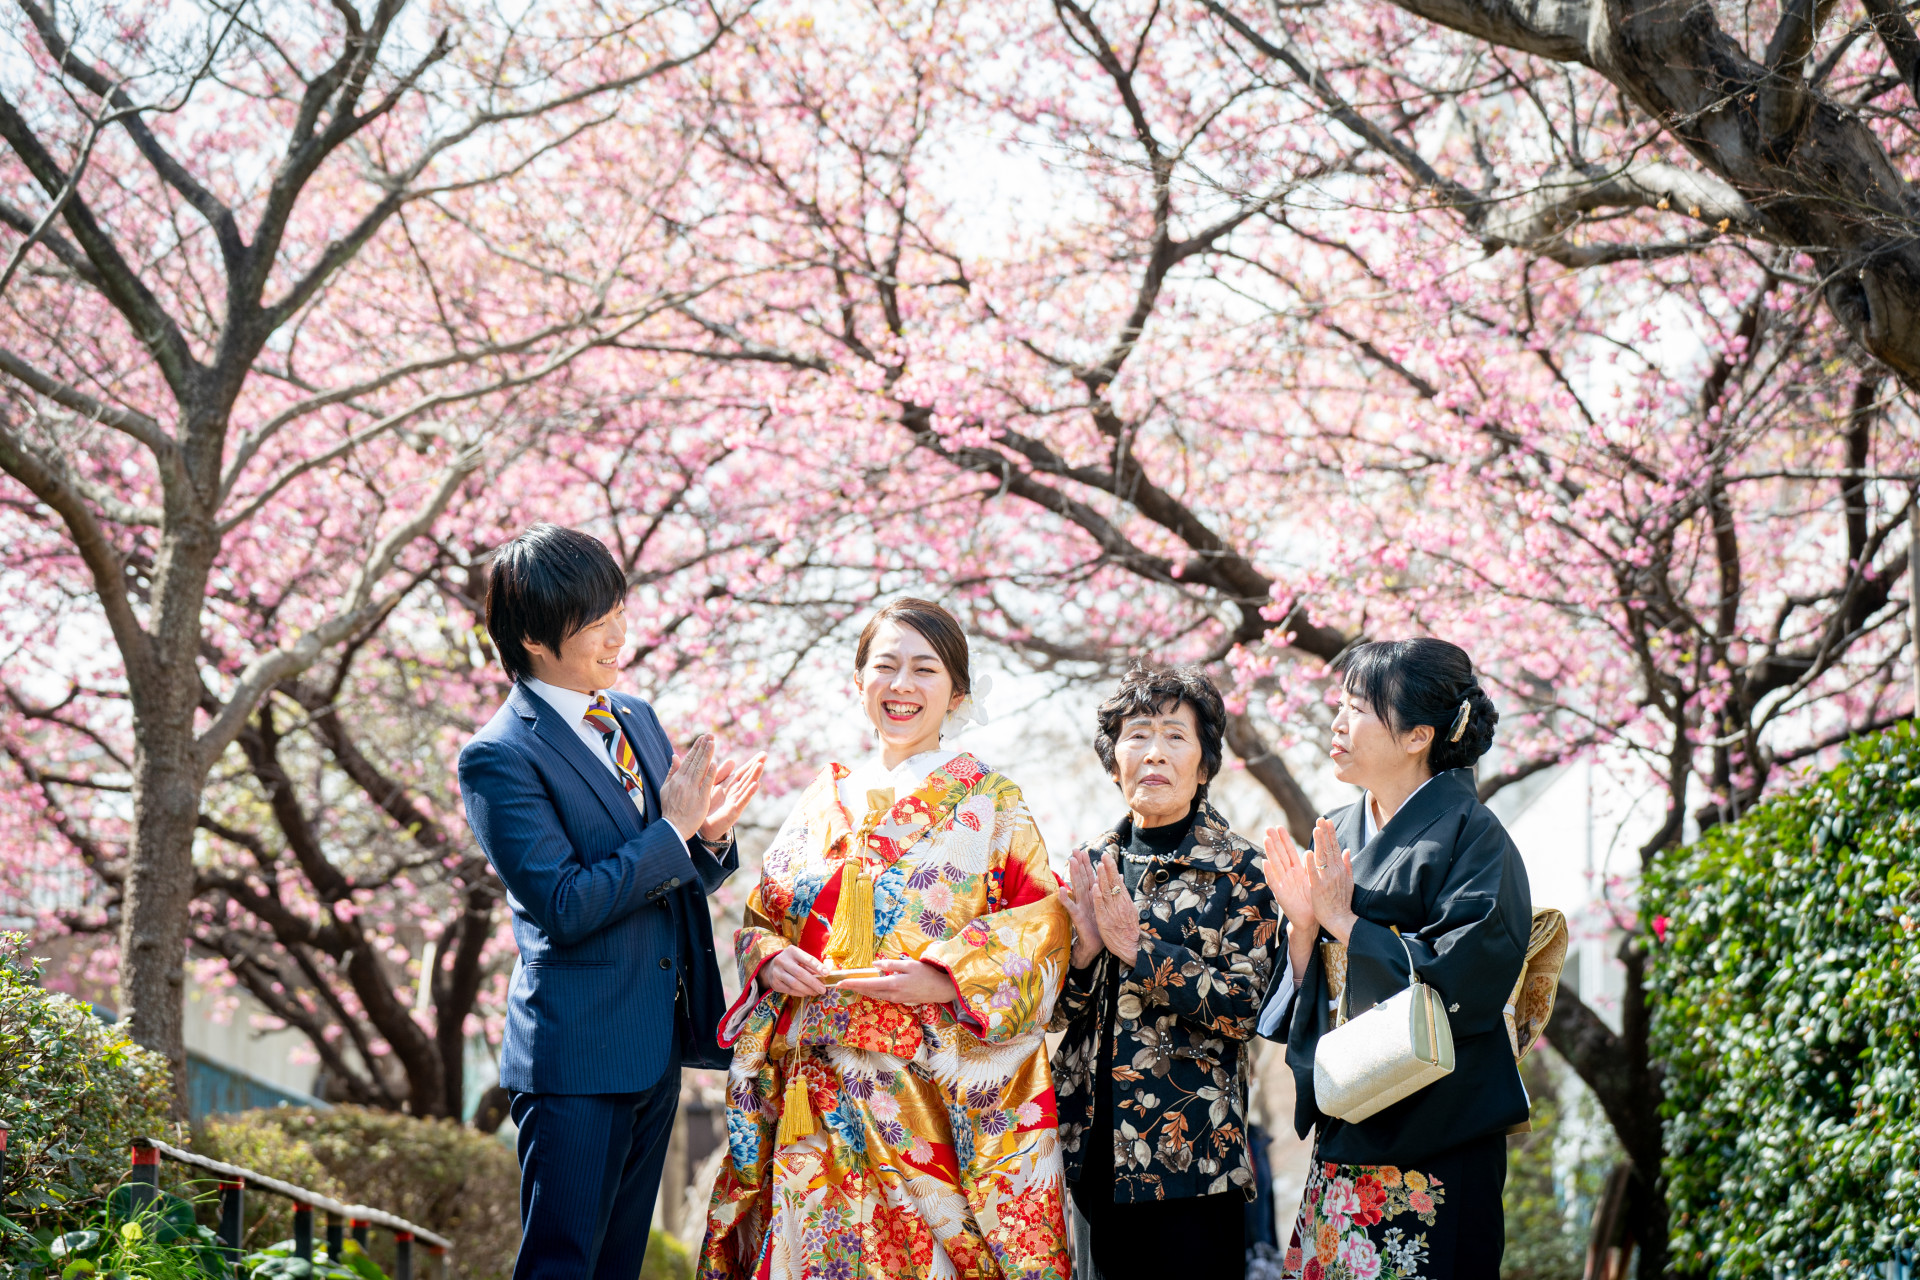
x=970, y=710
x=1460, y=721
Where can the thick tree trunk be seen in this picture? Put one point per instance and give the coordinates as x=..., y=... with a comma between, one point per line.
x=1647, y=1203
x=1814, y=173
x=159, y=886
x=169, y=775
x=1623, y=1078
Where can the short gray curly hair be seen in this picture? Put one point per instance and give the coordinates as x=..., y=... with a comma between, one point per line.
x=1152, y=689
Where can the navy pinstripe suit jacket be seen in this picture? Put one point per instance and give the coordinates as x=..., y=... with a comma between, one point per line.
x=609, y=910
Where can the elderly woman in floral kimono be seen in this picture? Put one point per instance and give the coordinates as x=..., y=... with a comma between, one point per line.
x=1175, y=934
x=889, y=1109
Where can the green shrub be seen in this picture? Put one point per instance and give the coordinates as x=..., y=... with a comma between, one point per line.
x=449, y=1179
x=1787, y=1015
x=280, y=1261
x=133, y=1238
x=74, y=1090
x=667, y=1259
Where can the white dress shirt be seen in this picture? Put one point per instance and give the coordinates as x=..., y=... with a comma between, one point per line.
x=572, y=706
x=1283, y=993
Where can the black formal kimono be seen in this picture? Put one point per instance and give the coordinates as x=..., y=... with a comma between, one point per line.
x=1414, y=1190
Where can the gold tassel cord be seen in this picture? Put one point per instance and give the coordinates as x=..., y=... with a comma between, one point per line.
x=796, y=1109
x=860, y=944
x=850, y=940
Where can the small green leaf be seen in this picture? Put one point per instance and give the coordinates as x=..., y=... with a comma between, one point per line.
x=76, y=1242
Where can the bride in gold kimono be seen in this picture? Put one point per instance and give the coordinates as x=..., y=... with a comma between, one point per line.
x=898, y=1122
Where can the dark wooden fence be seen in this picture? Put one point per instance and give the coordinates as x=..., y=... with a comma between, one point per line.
x=341, y=1218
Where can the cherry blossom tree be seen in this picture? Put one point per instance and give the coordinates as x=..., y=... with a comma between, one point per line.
x=1222, y=335
x=1256, y=395
x=1707, y=474
x=1784, y=127
x=342, y=889
x=285, y=288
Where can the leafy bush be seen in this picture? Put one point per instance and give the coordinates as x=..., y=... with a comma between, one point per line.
x=667, y=1259
x=281, y=1262
x=74, y=1090
x=451, y=1180
x=1786, y=991
x=159, y=1239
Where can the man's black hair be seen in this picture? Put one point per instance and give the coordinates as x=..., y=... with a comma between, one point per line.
x=544, y=586
x=1152, y=690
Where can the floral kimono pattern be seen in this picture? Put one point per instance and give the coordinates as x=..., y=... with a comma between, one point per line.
x=936, y=1152
x=1364, y=1222
x=1186, y=1011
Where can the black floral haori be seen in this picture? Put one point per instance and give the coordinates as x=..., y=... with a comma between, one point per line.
x=1185, y=1013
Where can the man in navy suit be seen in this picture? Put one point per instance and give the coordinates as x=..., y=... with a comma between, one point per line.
x=608, y=843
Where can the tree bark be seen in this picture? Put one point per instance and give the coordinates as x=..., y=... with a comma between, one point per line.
x=202, y=376
x=1647, y=1204
x=1812, y=170
x=159, y=886
x=491, y=1112
x=1271, y=772
x=169, y=774
x=1628, y=1088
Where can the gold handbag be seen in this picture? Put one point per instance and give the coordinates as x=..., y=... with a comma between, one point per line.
x=1393, y=1050
x=1531, y=1003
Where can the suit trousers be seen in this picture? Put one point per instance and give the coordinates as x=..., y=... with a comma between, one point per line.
x=590, y=1167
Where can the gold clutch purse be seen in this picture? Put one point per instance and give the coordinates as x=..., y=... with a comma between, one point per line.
x=1393, y=1050
x=1531, y=1003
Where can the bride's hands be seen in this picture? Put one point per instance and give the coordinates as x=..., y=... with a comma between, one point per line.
x=793, y=972
x=906, y=982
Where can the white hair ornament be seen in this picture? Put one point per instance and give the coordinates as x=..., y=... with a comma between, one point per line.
x=970, y=710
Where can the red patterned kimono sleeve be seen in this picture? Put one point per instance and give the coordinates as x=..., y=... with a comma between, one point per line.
x=756, y=942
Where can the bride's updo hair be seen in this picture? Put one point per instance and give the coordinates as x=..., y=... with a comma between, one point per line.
x=935, y=625
x=1409, y=683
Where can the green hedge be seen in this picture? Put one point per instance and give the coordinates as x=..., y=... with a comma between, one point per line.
x=1786, y=983
x=74, y=1091
x=452, y=1180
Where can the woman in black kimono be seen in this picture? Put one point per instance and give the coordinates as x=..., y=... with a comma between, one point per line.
x=1414, y=1190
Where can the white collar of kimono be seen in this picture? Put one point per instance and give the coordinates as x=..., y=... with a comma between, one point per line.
x=904, y=777
x=1368, y=828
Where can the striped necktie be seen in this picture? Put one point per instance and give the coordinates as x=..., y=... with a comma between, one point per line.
x=619, y=750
